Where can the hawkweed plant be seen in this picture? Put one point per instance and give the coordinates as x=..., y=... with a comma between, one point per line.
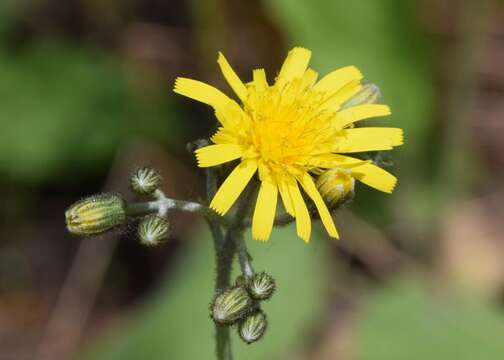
x=287, y=140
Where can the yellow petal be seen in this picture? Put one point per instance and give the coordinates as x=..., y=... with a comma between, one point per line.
x=226, y=109
x=294, y=65
x=231, y=77
x=303, y=222
x=260, y=81
x=200, y=91
x=265, y=210
x=310, y=188
x=232, y=116
x=334, y=101
x=224, y=136
x=212, y=155
x=309, y=78
x=375, y=177
x=333, y=160
x=286, y=199
x=232, y=187
x=336, y=79
x=360, y=112
x=368, y=139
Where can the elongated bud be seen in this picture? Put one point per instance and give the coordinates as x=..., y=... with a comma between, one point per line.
x=336, y=186
x=231, y=306
x=145, y=181
x=369, y=94
x=253, y=327
x=95, y=215
x=153, y=230
x=261, y=286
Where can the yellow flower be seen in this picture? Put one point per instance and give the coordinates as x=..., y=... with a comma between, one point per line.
x=286, y=132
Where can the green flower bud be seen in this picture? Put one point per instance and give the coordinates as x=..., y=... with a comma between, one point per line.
x=369, y=94
x=153, y=229
x=145, y=181
x=261, y=286
x=253, y=327
x=231, y=306
x=95, y=215
x=336, y=186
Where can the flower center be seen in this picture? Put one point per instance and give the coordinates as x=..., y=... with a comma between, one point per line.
x=288, y=125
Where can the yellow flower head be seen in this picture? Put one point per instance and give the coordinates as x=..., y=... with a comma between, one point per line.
x=286, y=132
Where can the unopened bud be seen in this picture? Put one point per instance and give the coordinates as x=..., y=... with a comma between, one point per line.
x=261, y=286
x=369, y=94
x=336, y=186
x=253, y=327
x=95, y=215
x=145, y=181
x=231, y=306
x=153, y=230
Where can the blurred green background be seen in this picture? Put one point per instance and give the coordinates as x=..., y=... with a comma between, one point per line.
x=86, y=96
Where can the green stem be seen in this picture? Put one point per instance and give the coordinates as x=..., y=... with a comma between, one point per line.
x=224, y=255
x=280, y=220
x=243, y=256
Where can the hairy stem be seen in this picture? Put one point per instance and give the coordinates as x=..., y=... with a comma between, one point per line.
x=243, y=256
x=162, y=204
x=224, y=255
x=280, y=220
x=224, y=258
x=142, y=208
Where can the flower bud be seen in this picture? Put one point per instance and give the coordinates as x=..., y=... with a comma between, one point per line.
x=253, y=327
x=369, y=94
x=153, y=229
x=261, y=286
x=231, y=306
x=95, y=215
x=145, y=181
x=336, y=186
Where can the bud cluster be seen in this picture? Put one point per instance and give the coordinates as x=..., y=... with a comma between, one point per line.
x=98, y=214
x=240, y=305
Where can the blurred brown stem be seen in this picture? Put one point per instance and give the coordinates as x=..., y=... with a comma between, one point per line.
x=78, y=293
x=473, y=26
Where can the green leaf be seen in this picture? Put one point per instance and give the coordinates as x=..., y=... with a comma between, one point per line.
x=407, y=320
x=66, y=110
x=175, y=324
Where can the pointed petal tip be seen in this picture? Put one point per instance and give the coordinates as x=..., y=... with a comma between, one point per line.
x=260, y=238
x=335, y=235
x=179, y=84
x=176, y=84
x=401, y=137
x=215, y=208
x=392, y=187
